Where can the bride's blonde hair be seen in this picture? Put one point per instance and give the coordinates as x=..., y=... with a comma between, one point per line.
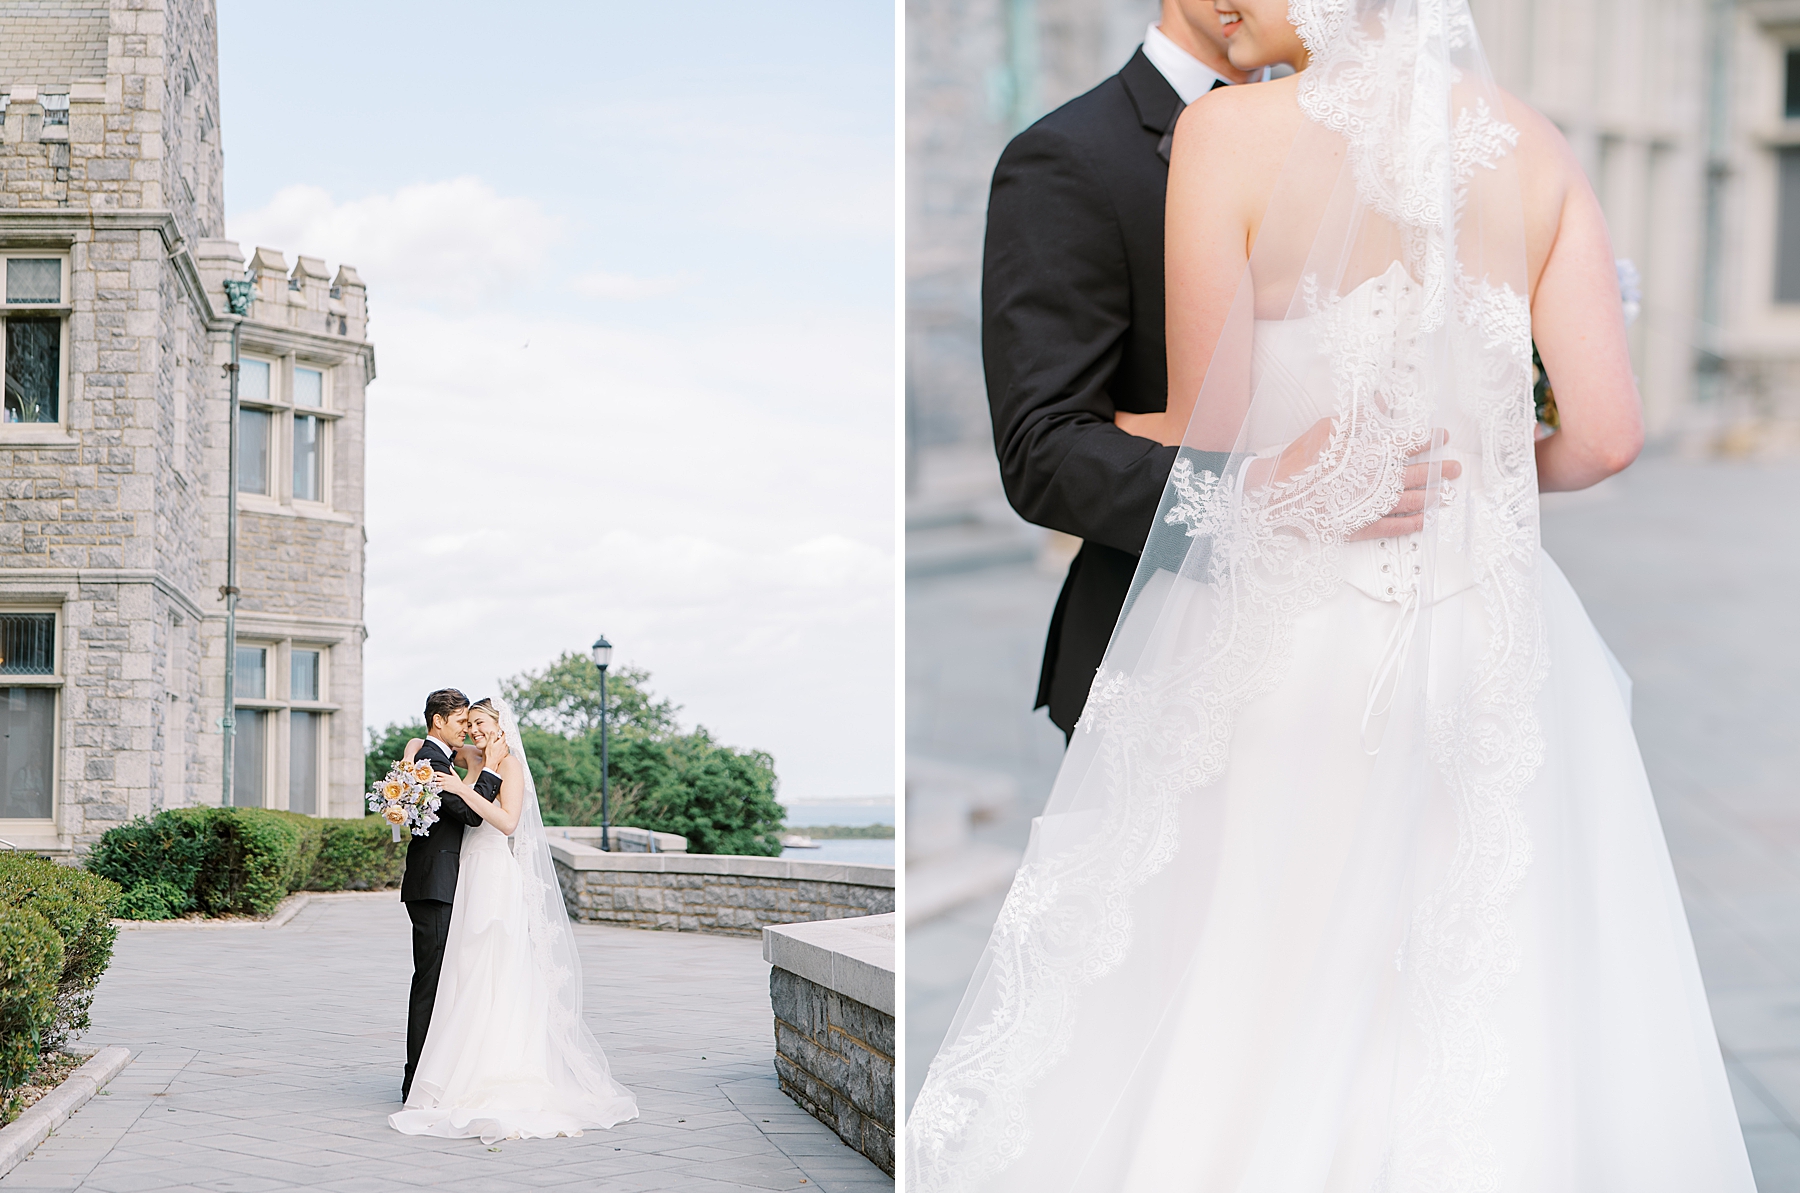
x=486, y=705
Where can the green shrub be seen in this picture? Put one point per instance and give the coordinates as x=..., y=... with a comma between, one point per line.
x=78, y=906
x=357, y=855
x=253, y=858
x=241, y=861
x=155, y=899
x=165, y=853
x=31, y=962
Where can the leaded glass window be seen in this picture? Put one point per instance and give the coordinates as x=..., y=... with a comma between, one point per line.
x=253, y=380
x=27, y=643
x=306, y=457
x=309, y=387
x=304, y=670
x=33, y=279
x=253, y=451
x=252, y=680
x=33, y=369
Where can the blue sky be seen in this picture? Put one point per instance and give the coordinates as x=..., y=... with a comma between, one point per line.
x=631, y=277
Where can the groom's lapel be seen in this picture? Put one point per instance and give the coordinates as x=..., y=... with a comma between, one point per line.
x=1158, y=106
x=1155, y=101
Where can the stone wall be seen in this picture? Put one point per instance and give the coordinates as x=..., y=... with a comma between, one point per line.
x=831, y=987
x=624, y=838
x=719, y=893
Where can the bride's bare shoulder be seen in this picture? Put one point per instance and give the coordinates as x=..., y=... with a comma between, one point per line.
x=1548, y=172
x=1230, y=143
x=1243, y=118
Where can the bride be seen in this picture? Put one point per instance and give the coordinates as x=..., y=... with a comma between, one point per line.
x=1351, y=880
x=508, y=1055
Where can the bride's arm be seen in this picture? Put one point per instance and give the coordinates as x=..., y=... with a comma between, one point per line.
x=1577, y=319
x=502, y=813
x=413, y=746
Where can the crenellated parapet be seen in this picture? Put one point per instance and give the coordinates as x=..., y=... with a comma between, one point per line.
x=106, y=110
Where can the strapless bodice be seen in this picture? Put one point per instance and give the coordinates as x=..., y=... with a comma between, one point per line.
x=1291, y=377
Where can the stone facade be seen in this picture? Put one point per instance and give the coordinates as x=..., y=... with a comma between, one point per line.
x=113, y=503
x=717, y=893
x=831, y=987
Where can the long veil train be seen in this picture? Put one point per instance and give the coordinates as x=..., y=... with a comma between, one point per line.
x=1351, y=879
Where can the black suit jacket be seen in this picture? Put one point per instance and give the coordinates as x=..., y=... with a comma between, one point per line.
x=1072, y=331
x=432, y=860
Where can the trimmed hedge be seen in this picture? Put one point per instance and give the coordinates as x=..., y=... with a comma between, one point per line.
x=78, y=906
x=31, y=963
x=241, y=861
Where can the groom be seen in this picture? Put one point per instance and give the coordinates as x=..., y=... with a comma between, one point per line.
x=1072, y=328
x=429, y=884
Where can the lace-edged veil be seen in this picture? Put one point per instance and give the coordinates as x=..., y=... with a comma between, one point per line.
x=572, y=1046
x=1391, y=262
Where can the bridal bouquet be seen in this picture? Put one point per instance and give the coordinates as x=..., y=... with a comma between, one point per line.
x=407, y=797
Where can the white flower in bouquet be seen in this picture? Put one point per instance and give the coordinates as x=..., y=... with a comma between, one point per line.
x=407, y=798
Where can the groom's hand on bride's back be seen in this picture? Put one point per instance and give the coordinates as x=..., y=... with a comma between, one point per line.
x=1426, y=483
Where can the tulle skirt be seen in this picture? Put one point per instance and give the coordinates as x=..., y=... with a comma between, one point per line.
x=1261, y=1035
x=488, y=1068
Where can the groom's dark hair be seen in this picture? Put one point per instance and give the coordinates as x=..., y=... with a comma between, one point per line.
x=442, y=703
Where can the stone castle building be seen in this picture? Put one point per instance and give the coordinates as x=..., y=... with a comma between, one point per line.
x=1685, y=114
x=122, y=313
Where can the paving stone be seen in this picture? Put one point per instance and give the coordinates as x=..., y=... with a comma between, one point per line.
x=269, y=1060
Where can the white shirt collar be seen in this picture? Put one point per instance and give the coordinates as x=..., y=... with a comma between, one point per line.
x=1190, y=77
x=448, y=752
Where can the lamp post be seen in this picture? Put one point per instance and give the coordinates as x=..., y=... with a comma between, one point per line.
x=602, y=656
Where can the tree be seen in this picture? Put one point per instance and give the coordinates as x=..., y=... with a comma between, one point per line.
x=722, y=800
x=385, y=748
x=567, y=774
x=565, y=698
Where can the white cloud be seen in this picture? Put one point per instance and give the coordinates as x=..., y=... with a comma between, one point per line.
x=455, y=242
x=623, y=287
x=717, y=499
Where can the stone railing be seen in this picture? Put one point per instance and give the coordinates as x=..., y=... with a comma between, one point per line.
x=623, y=838
x=831, y=986
x=721, y=893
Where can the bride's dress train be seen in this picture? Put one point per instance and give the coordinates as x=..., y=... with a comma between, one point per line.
x=507, y=1056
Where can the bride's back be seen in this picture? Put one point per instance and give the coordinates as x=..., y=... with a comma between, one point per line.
x=1248, y=158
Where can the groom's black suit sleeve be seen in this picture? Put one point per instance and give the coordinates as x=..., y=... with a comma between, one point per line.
x=451, y=806
x=1063, y=342
x=1071, y=333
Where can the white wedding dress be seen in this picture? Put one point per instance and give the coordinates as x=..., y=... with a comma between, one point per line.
x=1351, y=881
x=507, y=1056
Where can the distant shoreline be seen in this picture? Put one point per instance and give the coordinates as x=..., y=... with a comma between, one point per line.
x=844, y=832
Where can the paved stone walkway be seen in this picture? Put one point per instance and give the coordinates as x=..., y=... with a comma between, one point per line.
x=269, y=1059
x=1691, y=571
